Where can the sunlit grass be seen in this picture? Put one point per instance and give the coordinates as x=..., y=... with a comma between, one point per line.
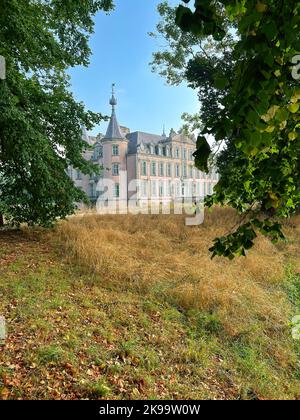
x=133, y=307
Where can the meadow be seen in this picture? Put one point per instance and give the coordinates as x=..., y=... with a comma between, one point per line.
x=130, y=307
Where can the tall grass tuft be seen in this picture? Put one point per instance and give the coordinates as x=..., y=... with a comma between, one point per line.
x=245, y=300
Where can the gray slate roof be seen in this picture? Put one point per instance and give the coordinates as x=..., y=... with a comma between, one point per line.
x=138, y=137
x=113, y=130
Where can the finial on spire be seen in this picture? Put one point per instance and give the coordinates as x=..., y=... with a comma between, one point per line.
x=113, y=101
x=113, y=129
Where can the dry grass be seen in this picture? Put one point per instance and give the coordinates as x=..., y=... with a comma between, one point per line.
x=160, y=255
x=133, y=307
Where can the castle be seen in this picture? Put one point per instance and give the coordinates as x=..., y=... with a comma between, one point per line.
x=141, y=167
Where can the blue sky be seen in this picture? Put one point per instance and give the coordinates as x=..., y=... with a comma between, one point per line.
x=122, y=51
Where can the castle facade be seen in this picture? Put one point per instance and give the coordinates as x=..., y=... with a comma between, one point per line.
x=138, y=167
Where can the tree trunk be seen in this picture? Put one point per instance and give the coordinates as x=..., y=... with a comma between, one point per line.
x=1, y=220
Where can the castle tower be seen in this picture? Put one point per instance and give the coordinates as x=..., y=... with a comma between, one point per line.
x=115, y=149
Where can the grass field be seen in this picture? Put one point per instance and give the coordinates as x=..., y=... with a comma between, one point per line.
x=130, y=307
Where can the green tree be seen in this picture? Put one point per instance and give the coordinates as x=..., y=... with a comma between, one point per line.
x=257, y=111
x=40, y=121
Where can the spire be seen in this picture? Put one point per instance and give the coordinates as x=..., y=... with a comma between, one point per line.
x=113, y=129
x=164, y=132
x=113, y=101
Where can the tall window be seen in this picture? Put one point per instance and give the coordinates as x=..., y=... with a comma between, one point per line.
x=115, y=150
x=169, y=169
x=117, y=191
x=169, y=188
x=115, y=169
x=98, y=153
x=92, y=190
x=191, y=171
x=191, y=155
x=153, y=168
x=161, y=188
x=177, y=170
x=177, y=153
x=184, y=171
x=144, y=189
x=144, y=168
x=194, y=188
x=161, y=169
x=153, y=188
x=78, y=175
x=184, y=154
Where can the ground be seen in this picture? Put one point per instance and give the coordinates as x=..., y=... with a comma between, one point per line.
x=130, y=307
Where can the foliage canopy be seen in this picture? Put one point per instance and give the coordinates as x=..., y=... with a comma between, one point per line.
x=255, y=102
x=40, y=121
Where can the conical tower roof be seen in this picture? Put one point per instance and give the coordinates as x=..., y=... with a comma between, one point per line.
x=113, y=130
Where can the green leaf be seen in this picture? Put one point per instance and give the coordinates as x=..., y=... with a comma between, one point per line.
x=270, y=30
x=293, y=108
x=220, y=82
x=202, y=154
x=184, y=18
